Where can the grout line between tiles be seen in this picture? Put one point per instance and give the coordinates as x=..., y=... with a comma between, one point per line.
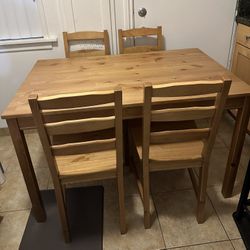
x=232, y=245
x=15, y=210
x=228, y=239
x=201, y=244
x=157, y=216
x=170, y=191
x=218, y=216
x=223, y=141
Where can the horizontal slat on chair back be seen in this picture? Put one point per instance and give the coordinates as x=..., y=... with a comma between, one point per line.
x=63, y=108
x=76, y=100
x=87, y=52
x=91, y=35
x=140, y=49
x=182, y=114
x=140, y=32
x=83, y=147
x=179, y=135
x=80, y=125
x=59, y=115
x=187, y=89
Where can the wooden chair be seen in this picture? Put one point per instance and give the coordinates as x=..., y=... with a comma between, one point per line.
x=99, y=155
x=140, y=32
x=169, y=139
x=86, y=36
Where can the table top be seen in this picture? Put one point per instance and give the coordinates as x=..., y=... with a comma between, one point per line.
x=129, y=71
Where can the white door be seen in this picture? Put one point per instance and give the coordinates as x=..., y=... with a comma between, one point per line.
x=88, y=15
x=204, y=24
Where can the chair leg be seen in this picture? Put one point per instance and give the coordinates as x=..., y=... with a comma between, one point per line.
x=146, y=201
x=200, y=216
x=62, y=212
x=126, y=151
x=121, y=196
x=203, y=176
x=64, y=192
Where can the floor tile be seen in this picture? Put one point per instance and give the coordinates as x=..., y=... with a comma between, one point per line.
x=14, y=194
x=130, y=186
x=217, y=167
x=4, y=131
x=8, y=156
x=247, y=139
x=36, y=150
x=226, y=129
x=6, y=142
x=12, y=228
x=176, y=212
x=170, y=180
x=227, y=245
x=225, y=208
x=245, y=156
x=238, y=244
x=137, y=238
x=7, y=153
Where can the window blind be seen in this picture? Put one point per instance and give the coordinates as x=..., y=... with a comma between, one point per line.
x=19, y=19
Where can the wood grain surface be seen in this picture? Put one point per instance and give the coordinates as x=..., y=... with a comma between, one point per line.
x=128, y=71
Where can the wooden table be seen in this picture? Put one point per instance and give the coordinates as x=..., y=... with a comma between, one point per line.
x=131, y=71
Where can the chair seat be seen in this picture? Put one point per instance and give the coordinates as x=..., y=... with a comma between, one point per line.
x=171, y=155
x=92, y=166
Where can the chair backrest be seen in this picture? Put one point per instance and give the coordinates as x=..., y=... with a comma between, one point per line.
x=140, y=32
x=86, y=36
x=61, y=108
x=175, y=95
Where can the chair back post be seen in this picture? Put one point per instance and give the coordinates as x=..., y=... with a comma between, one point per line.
x=66, y=44
x=118, y=128
x=219, y=104
x=39, y=122
x=121, y=43
x=159, y=38
x=106, y=42
x=146, y=128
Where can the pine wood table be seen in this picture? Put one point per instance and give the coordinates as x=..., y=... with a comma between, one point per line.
x=130, y=72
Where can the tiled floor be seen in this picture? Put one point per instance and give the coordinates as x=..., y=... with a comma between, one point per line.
x=173, y=203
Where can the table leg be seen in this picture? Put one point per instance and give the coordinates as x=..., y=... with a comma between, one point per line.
x=244, y=195
x=23, y=156
x=237, y=143
x=125, y=143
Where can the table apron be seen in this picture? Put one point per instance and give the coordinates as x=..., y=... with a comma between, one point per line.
x=131, y=112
